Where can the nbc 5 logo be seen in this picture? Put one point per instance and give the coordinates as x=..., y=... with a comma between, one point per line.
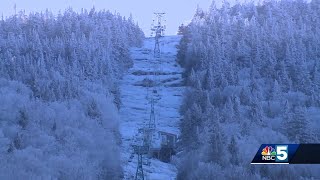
x=282, y=153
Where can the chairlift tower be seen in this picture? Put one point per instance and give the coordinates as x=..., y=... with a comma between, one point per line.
x=158, y=29
x=139, y=172
x=140, y=151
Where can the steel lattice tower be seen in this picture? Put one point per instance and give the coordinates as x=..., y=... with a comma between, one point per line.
x=140, y=150
x=158, y=29
x=139, y=172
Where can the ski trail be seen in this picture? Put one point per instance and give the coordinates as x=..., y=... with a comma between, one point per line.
x=135, y=110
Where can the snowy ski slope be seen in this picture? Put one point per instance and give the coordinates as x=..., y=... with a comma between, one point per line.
x=135, y=111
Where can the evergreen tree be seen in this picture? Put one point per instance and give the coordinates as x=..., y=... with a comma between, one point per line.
x=181, y=29
x=237, y=108
x=23, y=119
x=297, y=126
x=228, y=110
x=276, y=91
x=245, y=97
x=215, y=140
x=192, y=121
x=256, y=113
x=234, y=151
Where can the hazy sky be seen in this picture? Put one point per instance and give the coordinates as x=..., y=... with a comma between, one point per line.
x=178, y=11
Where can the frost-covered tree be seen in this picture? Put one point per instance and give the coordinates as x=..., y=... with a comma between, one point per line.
x=297, y=126
x=276, y=91
x=215, y=140
x=193, y=120
x=234, y=151
x=256, y=112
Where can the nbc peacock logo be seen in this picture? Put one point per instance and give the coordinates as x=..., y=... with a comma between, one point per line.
x=268, y=153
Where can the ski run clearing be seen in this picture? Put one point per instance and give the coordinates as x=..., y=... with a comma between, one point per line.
x=135, y=110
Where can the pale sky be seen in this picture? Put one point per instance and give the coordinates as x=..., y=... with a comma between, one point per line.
x=178, y=11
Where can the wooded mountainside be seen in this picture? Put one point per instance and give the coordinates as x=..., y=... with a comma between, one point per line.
x=253, y=77
x=59, y=93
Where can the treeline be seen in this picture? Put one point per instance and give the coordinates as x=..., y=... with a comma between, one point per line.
x=59, y=93
x=55, y=55
x=252, y=73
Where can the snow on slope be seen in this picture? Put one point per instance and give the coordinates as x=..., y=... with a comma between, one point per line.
x=135, y=110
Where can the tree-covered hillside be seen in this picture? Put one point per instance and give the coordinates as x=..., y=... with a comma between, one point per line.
x=252, y=73
x=59, y=93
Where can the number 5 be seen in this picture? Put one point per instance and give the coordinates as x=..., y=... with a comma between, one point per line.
x=282, y=153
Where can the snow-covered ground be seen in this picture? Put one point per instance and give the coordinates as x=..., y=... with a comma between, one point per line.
x=135, y=111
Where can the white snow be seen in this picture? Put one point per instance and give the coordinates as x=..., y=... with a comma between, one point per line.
x=135, y=110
